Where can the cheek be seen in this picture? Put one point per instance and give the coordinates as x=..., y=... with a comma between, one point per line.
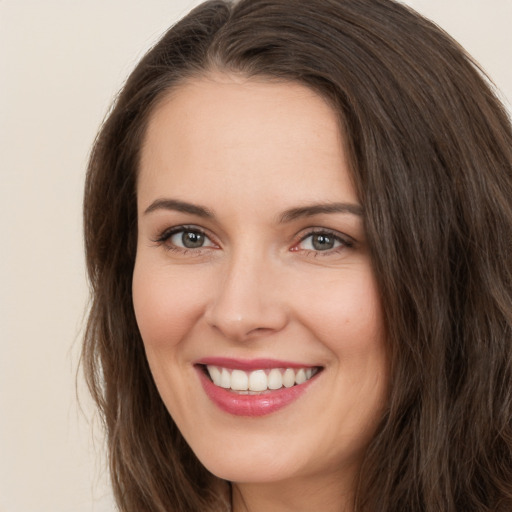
x=166, y=304
x=351, y=325
x=346, y=312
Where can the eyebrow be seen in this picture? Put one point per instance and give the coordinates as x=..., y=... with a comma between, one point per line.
x=287, y=216
x=318, y=209
x=179, y=206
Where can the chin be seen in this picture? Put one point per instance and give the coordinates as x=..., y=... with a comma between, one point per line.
x=266, y=469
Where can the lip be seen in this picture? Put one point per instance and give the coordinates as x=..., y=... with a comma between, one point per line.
x=251, y=405
x=250, y=364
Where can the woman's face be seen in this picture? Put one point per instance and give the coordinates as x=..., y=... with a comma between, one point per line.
x=253, y=286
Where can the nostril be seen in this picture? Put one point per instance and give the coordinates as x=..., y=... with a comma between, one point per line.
x=260, y=330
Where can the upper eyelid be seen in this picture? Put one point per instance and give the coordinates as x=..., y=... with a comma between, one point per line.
x=163, y=239
x=168, y=232
x=319, y=230
x=165, y=234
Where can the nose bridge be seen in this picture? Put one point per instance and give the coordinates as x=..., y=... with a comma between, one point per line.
x=246, y=302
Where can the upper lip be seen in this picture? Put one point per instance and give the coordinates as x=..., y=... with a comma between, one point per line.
x=251, y=364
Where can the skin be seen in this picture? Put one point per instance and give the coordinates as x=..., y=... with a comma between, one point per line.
x=248, y=150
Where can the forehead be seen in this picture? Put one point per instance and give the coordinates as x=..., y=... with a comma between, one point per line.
x=225, y=131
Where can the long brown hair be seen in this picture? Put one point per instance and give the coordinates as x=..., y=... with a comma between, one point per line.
x=431, y=154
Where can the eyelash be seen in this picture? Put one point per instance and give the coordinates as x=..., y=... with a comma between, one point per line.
x=344, y=241
x=167, y=234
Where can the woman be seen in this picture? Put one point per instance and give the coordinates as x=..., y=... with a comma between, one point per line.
x=298, y=228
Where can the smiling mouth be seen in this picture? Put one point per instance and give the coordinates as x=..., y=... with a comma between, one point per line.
x=258, y=381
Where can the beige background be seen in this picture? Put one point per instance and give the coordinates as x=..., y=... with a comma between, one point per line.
x=61, y=62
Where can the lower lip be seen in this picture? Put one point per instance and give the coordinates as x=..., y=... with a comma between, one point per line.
x=251, y=405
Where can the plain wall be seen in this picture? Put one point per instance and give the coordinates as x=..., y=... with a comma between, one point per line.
x=61, y=62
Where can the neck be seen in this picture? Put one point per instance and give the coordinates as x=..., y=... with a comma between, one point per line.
x=300, y=495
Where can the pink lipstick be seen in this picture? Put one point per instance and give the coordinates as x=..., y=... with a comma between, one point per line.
x=254, y=387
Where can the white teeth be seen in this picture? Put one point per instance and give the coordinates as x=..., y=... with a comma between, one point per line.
x=300, y=377
x=239, y=380
x=216, y=375
x=275, y=379
x=288, y=378
x=225, y=380
x=259, y=380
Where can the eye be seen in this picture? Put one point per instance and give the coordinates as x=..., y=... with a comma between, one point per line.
x=184, y=238
x=190, y=239
x=322, y=240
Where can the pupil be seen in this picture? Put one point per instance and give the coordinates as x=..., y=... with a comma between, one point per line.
x=323, y=242
x=192, y=240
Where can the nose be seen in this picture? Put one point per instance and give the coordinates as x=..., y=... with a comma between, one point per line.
x=249, y=301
